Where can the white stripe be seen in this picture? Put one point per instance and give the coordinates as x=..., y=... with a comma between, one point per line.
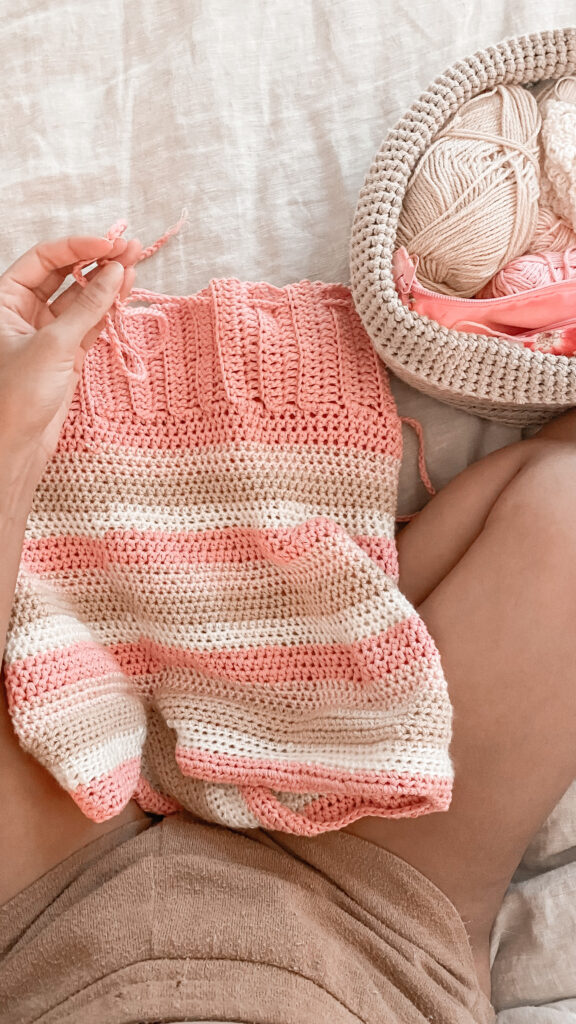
x=344, y=627
x=372, y=754
x=259, y=515
x=85, y=766
x=226, y=805
x=54, y=633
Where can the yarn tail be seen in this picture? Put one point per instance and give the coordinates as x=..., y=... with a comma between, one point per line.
x=417, y=428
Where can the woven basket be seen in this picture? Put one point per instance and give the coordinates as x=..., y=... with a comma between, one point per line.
x=488, y=376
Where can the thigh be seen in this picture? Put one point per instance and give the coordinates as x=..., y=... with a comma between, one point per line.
x=501, y=605
x=40, y=825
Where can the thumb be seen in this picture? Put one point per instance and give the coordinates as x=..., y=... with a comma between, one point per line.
x=90, y=305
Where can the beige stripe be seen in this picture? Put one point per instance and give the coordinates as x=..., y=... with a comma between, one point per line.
x=344, y=627
x=210, y=489
x=217, y=474
x=160, y=769
x=62, y=727
x=355, y=738
x=314, y=605
x=296, y=801
x=327, y=577
x=86, y=764
x=386, y=753
x=332, y=736
x=35, y=630
x=225, y=805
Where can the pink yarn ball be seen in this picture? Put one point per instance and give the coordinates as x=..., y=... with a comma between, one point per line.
x=533, y=270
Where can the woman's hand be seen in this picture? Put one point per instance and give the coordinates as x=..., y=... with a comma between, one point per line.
x=43, y=345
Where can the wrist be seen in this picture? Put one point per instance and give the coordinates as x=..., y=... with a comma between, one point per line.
x=20, y=473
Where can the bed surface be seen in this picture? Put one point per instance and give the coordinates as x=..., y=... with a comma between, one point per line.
x=262, y=119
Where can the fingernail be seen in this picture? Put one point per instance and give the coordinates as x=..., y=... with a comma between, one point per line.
x=112, y=274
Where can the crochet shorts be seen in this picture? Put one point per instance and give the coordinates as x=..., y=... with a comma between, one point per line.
x=207, y=613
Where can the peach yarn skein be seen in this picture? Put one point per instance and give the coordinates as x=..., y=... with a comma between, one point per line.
x=533, y=270
x=472, y=203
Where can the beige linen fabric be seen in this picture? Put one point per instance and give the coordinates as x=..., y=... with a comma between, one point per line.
x=263, y=119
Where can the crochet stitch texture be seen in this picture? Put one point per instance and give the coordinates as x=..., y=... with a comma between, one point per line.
x=207, y=612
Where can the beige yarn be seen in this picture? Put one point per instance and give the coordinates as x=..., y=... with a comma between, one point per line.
x=552, y=233
x=472, y=203
x=488, y=376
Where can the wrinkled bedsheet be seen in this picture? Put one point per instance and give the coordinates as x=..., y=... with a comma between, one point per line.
x=262, y=119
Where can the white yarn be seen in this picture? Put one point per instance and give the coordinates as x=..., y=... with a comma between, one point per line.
x=472, y=202
x=557, y=102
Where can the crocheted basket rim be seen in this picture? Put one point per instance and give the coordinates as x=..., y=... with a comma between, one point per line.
x=485, y=375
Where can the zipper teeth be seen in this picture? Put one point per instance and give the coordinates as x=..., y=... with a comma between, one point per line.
x=518, y=296
x=418, y=289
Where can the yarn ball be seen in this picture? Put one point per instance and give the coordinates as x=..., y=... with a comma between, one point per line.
x=556, y=227
x=472, y=203
x=533, y=270
x=555, y=88
x=552, y=233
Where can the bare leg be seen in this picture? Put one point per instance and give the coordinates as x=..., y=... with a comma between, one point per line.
x=40, y=825
x=490, y=564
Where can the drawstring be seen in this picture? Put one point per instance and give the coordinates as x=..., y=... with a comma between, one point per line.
x=128, y=352
x=417, y=427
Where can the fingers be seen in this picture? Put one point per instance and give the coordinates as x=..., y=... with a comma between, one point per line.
x=127, y=258
x=92, y=336
x=88, y=307
x=33, y=268
x=132, y=253
x=55, y=279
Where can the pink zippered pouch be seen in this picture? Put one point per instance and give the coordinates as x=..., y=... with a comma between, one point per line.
x=516, y=317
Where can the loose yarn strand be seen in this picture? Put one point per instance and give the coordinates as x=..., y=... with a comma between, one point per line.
x=127, y=351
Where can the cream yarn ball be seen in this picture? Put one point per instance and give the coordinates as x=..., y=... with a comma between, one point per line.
x=472, y=202
x=557, y=103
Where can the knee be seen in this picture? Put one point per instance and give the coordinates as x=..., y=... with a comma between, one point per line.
x=541, y=497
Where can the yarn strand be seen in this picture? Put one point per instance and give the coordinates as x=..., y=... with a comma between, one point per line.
x=128, y=352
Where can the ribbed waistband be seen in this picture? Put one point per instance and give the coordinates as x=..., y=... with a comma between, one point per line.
x=237, y=349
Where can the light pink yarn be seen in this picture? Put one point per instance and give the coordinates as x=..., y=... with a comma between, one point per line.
x=533, y=270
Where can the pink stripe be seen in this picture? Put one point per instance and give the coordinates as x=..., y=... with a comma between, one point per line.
x=153, y=802
x=382, y=551
x=429, y=795
x=355, y=427
x=348, y=796
x=296, y=777
x=106, y=796
x=47, y=555
x=365, y=663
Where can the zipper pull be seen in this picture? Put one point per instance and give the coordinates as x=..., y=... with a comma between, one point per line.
x=404, y=273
